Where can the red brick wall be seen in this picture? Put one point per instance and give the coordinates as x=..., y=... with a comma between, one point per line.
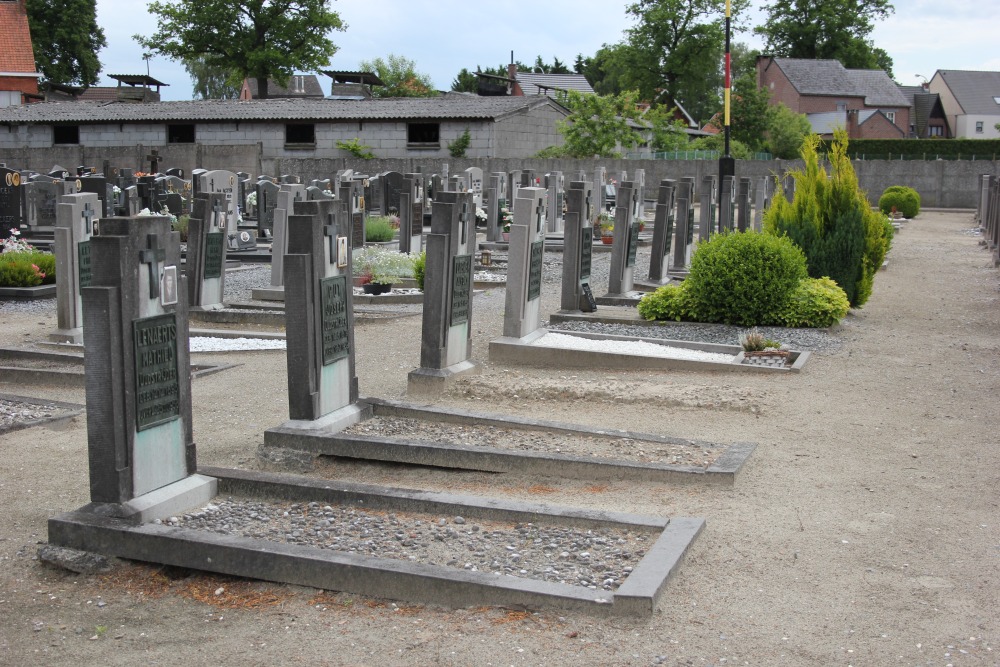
x=771, y=78
x=879, y=127
x=21, y=83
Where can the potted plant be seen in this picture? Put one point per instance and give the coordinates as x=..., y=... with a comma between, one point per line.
x=377, y=268
x=506, y=218
x=759, y=349
x=606, y=226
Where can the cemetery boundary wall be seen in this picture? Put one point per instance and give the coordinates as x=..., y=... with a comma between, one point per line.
x=941, y=183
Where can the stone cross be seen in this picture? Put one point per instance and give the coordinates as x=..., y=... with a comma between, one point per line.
x=151, y=256
x=154, y=161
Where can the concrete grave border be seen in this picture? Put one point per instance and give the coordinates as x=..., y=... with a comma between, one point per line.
x=89, y=529
x=67, y=411
x=36, y=292
x=329, y=442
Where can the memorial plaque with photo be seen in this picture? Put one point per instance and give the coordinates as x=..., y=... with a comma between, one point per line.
x=214, y=252
x=460, y=276
x=633, y=244
x=333, y=295
x=157, y=384
x=83, y=264
x=535, y=270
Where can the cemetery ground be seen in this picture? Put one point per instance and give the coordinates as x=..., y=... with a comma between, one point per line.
x=863, y=530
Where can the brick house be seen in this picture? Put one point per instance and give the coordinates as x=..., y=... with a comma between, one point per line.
x=865, y=102
x=18, y=78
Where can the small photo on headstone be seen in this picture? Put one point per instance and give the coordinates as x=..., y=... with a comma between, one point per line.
x=341, y=252
x=168, y=291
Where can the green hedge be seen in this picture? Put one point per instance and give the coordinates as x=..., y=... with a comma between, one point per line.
x=921, y=149
x=27, y=269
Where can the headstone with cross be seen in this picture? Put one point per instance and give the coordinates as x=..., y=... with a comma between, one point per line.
x=223, y=182
x=39, y=199
x=351, y=192
x=600, y=180
x=727, y=202
x=205, y=267
x=743, y=222
x=154, y=161
x=578, y=243
x=98, y=184
x=522, y=306
x=267, y=200
x=639, y=178
x=682, y=238
x=76, y=217
x=411, y=214
x=287, y=195
x=319, y=319
x=663, y=232
x=446, y=340
x=553, y=208
x=626, y=240
x=135, y=323
x=474, y=177
x=496, y=200
x=706, y=207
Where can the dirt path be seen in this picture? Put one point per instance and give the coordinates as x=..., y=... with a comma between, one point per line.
x=865, y=530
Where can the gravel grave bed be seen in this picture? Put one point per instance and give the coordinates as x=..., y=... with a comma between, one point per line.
x=15, y=414
x=551, y=442
x=598, y=558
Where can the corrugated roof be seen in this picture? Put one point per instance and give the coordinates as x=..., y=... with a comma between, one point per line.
x=15, y=39
x=550, y=84
x=975, y=91
x=400, y=108
x=830, y=78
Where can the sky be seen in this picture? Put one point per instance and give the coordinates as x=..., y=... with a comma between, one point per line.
x=443, y=36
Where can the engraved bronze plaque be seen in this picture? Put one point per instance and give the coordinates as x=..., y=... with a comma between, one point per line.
x=586, y=252
x=535, y=269
x=157, y=383
x=633, y=244
x=333, y=318
x=83, y=264
x=461, y=292
x=214, y=252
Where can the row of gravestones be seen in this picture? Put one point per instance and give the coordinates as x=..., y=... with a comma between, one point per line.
x=988, y=214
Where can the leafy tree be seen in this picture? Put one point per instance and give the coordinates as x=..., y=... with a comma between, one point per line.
x=786, y=132
x=66, y=39
x=668, y=134
x=400, y=76
x=465, y=82
x=675, y=51
x=251, y=38
x=597, y=125
x=717, y=142
x=750, y=113
x=835, y=29
x=212, y=81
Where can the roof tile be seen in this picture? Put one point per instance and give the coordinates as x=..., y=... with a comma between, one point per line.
x=15, y=39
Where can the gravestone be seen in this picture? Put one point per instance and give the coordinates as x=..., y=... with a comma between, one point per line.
x=99, y=186
x=10, y=200
x=314, y=193
x=76, y=216
x=474, y=179
x=411, y=215
x=513, y=183
x=706, y=221
x=497, y=201
x=639, y=179
x=554, y=202
x=626, y=241
x=525, y=255
x=39, y=200
x=267, y=200
x=319, y=316
x=762, y=201
x=392, y=186
x=727, y=201
x=684, y=236
x=223, y=182
x=137, y=369
x=663, y=232
x=205, y=267
x=600, y=180
x=743, y=222
x=578, y=244
x=446, y=338
x=131, y=203
x=243, y=188
x=288, y=195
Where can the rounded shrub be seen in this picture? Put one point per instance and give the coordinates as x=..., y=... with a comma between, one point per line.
x=378, y=229
x=420, y=268
x=669, y=302
x=743, y=278
x=816, y=302
x=27, y=268
x=903, y=199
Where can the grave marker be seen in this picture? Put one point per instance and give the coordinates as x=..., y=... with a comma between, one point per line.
x=206, y=252
x=663, y=232
x=522, y=313
x=626, y=240
x=10, y=200
x=743, y=204
x=578, y=246
x=683, y=238
x=75, y=218
x=411, y=214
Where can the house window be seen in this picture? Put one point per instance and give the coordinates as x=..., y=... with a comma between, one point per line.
x=935, y=131
x=423, y=135
x=997, y=100
x=65, y=134
x=891, y=115
x=979, y=127
x=841, y=106
x=180, y=134
x=300, y=134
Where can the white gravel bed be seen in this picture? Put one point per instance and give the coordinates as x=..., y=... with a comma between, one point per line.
x=552, y=442
x=599, y=559
x=19, y=412
x=637, y=348
x=213, y=344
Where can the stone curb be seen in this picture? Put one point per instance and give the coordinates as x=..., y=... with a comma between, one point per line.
x=71, y=410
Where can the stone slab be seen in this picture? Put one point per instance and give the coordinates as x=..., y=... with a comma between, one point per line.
x=37, y=292
x=387, y=578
